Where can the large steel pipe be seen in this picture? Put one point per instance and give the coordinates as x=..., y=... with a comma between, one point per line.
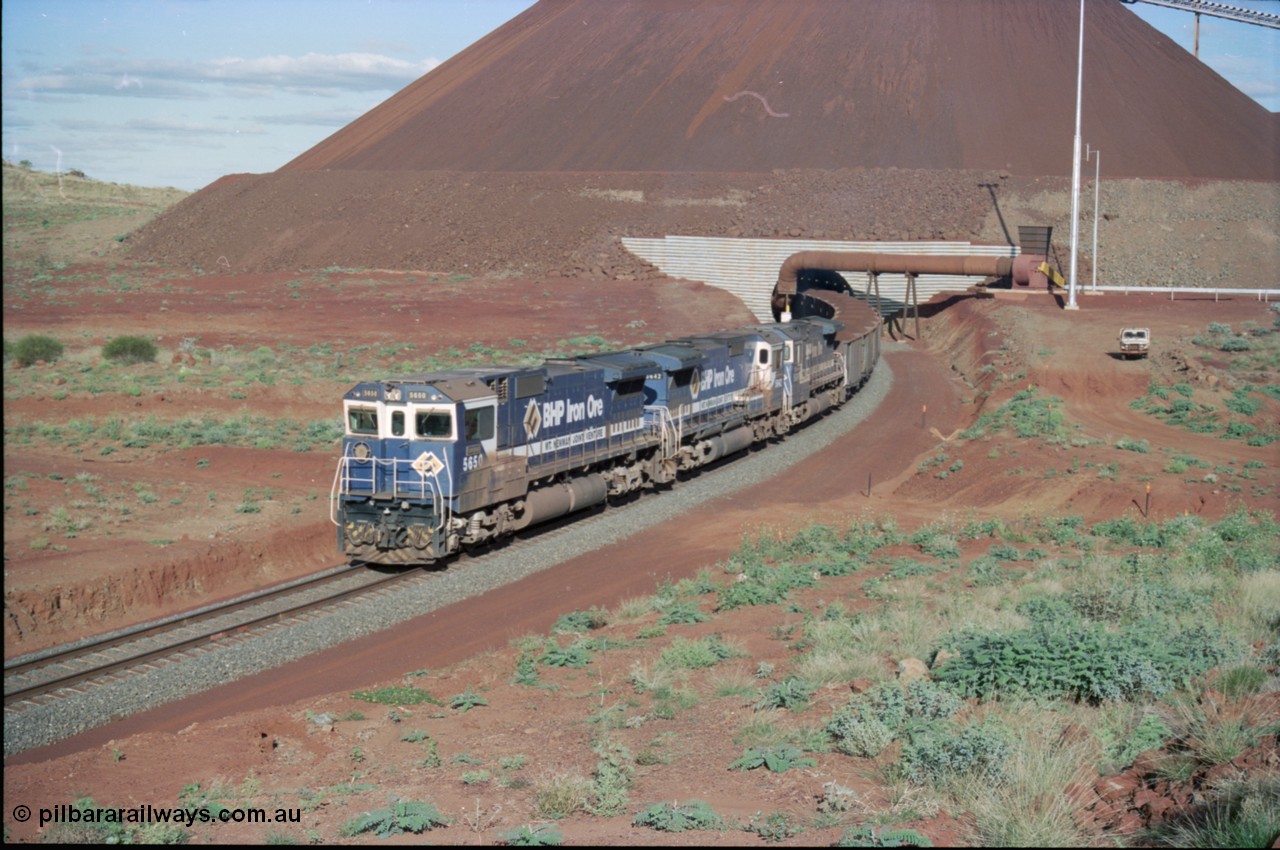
x=862, y=261
x=560, y=499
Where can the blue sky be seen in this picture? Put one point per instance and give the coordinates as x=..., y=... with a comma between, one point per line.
x=181, y=92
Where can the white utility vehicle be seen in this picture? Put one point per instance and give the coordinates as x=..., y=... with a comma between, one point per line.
x=1134, y=342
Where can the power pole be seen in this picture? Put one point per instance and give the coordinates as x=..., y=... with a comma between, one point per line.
x=1075, y=173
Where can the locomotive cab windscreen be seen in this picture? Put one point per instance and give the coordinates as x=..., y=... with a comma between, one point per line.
x=362, y=421
x=433, y=423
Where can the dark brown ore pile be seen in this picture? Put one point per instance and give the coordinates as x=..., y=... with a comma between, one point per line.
x=580, y=121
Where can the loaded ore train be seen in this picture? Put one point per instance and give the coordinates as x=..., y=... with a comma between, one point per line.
x=435, y=463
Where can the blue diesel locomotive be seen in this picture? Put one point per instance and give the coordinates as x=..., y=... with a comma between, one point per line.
x=435, y=463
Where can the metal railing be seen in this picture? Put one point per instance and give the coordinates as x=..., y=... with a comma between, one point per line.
x=668, y=428
x=357, y=477
x=1264, y=295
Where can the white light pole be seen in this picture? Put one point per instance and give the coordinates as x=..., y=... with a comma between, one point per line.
x=1097, y=172
x=1075, y=173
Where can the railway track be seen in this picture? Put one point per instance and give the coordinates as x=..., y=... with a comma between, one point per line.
x=31, y=681
x=74, y=669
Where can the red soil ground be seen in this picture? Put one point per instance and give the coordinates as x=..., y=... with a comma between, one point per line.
x=254, y=736
x=521, y=162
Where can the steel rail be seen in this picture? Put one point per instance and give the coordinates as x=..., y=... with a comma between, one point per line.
x=60, y=654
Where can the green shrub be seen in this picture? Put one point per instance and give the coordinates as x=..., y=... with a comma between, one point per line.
x=908, y=567
x=1026, y=415
x=1047, y=610
x=1119, y=750
x=129, y=349
x=467, y=700
x=837, y=567
x=672, y=817
x=938, y=754
x=682, y=613
x=775, y=827
x=1240, y=526
x=814, y=540
x=1064, y=531
x=1116, y=600
x=576, y=654
x=936, y=541
x=695, y=654
x=1241, y=403
x=872, y=721
x=856, y=734
x=1081, y=660
x=612, y=780
x=403, y=816
x=577, y=622
x=1171, y=533
x=791, y=693
x=759, y=584
x=543, y=835
x=865, y=536
x=1235, y=343
x=776, y=759
x=96, y=825
x=1005, y=552
x=396, y=696
x=987, y=572
x=1238, y=430
x=34, y=348
x=870, y=836
x=927, y=701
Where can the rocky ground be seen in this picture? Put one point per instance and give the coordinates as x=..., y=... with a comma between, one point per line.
x=1150, y=232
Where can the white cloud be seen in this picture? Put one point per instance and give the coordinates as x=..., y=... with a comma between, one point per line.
x=319, y=118
x=312, y=73
x=175, y=127
x=350, y=71
x=124, y=84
